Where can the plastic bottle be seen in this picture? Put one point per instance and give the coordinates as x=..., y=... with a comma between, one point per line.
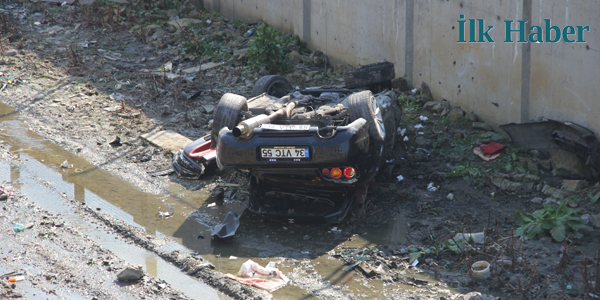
x=248, y=33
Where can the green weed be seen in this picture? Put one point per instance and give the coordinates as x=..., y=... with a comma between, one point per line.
x=268, y=50
x=556, y=220
x=594, y=198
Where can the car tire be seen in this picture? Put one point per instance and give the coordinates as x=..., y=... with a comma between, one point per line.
x=372, y=74
x=364, y=105
x=274, y=85
x=227, y=114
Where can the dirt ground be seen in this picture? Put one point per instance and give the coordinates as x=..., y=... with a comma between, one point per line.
x=87, y=77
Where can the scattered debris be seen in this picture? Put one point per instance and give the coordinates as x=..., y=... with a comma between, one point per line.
x=267, y=278
x=431, y=187
x=166, y=214
x=490, y=151
x=228, y=228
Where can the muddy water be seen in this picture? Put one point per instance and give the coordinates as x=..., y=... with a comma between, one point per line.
x=43, y=180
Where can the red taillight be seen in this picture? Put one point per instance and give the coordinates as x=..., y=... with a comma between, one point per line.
x=336, y=173
x=325, y=172
x=349, y=172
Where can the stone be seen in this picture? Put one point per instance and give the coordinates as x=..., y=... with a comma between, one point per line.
x=426, y=92
x=11, y=52
x=295, y=57
x=456, y=114
x=595, y=220
x=194, y=14
x=574, y=185
x=506, y=184
x=423, y=141
x=208, y=108
x=240, y=53
x=476, y=296
x=131, y=273
x=433, y=106
x=554, y=192
x=167, y=139
x=536, y=200
x=401, y=83
x=568, y=165
x=176, y=25
x=481, y=126
x=202, y=67
x=472, y=117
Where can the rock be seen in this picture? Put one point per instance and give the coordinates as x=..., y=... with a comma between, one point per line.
x=574, y=185
x=434, y=106
x=194, y=14
x=208, y=108
x=400, y=83
x=423, y=141
x=595, y=220
x=240, y=54
x=263, y=72
x=481, y=126
x=11, y=52
x=476, y=296
x=456, y=114
x=536, y=200
x=554, y=192
x=131, y=273
x=426, y=92
x=295, y=57
x=472, y=117
x=506, y=184
x=177, y=25
x=567, y=164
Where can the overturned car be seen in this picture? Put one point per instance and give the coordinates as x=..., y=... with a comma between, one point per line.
x=310, y=153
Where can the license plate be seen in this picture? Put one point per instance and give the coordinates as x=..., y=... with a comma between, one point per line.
x=284, y=152
x=285, y=127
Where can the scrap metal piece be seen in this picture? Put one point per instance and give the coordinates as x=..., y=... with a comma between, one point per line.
x=552, y=134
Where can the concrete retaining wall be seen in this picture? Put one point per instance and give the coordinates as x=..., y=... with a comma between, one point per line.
x=501, y=82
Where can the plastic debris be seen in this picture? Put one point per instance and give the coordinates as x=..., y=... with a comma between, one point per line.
x=477, y=238
x=305, y=252
x=248, y=33
x=336, y=230
x=450, y=196
x=166, y=67
x=418, y=126
x=423, y=118
x=490, y=151
x=208, y=21
x=421, y=132
x=16, y=278
x=233, y=257
x=400, y=177
x=481, y=269
x=65, y=164
x=19, y=227
x=431, y=187
x=415, y=263
x=166, y=214
x=401, y=131
x=267, y=278
x=414, y=91
x=381, y=269
x=405, y=138
x=228, y=227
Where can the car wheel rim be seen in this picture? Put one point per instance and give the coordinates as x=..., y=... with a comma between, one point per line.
x=378, y=118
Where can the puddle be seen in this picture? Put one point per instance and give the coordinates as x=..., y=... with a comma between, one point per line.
x=43, y=180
